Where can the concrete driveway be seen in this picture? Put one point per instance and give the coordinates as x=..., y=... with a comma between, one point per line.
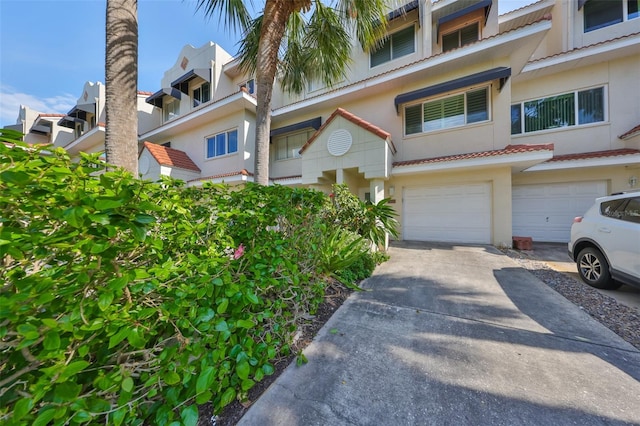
x=457, y=335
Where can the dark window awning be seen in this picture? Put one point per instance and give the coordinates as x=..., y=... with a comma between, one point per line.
x=581, y=3
x=181, y=83
x=40, y=128
x=484, y=4
x=314, y=123
x=156, y=98
x=502, y=73
x=69, y=121
x=402, y=10
x=81, y=110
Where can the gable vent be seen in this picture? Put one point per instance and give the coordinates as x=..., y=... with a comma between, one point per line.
x=339, y=142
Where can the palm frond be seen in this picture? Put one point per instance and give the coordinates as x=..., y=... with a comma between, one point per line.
x=233, y=13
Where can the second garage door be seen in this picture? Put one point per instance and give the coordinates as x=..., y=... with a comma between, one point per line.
x=448, y=213
x=545, y=212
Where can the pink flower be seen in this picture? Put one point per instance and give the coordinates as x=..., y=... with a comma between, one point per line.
x=237, y=254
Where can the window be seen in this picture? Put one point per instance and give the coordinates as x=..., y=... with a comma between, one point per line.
x=222, y=144
x=452, y=111
x=603, y=13
x=288, y=146
x=171, y=109
x=250, y=85
x=558, y=111
x=201, y=94
x=627, y=209
x=460, y=37
x=395, y=46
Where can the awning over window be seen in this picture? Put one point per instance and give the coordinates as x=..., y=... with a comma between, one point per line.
x=40, y=128
x=484, y=4
x=314, y=123
x=581, y=3
x=502, y=73
x=156, y=98
x=181, y=83
x=69, y=121
x=402, y=10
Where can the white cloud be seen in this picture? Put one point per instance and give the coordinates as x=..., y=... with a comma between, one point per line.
x=11, y=99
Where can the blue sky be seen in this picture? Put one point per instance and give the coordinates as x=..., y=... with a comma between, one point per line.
x=50, y=48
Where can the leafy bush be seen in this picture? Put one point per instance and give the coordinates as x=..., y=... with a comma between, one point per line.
x=124, y=301
x=371, y=221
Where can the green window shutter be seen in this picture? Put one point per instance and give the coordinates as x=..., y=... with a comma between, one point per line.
x=549, y=113
x=453, y=109
x=477, y=106
x=450, y=41
x=469, y=34
x=382, y=55
x=403, y=42
x=413, y=119
x=433, y=115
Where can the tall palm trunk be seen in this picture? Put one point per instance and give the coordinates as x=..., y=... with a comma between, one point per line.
x=276, y=14
x=121, y=79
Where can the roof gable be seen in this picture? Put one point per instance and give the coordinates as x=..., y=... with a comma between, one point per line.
x=166, y=156
x=340, y=112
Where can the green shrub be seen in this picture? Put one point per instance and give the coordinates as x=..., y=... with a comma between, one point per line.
x=371, y=221
x=124, y=301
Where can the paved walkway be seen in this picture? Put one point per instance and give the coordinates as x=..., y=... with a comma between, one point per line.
x=457, y=335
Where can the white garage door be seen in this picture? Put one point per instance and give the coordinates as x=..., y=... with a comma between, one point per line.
x=546, y=212
x=449, y=213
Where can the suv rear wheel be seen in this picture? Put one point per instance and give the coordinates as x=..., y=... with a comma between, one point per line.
x=594, y=269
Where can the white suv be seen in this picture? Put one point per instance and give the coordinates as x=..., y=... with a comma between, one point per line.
x=605, y=242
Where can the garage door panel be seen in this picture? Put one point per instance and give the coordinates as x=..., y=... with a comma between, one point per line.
x=451, y=213
x=545, y=212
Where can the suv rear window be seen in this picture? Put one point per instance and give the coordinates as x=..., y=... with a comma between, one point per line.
x=627, y=209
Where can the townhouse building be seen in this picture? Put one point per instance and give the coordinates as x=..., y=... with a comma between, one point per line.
x=40, y=128
x=479, y=127
x=82, y=129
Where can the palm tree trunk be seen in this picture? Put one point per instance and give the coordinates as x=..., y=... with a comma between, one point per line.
x=121, y=79
x=276, y=14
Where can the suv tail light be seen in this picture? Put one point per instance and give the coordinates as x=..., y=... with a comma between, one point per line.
x=577, y=219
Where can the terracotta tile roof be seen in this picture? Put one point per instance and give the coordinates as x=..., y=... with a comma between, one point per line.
x=143, y=93
x=391, y=71
x=585, y=47
x=595, y=154
x=355, y=120
x=171, y=157
x=509, y=149
x=630, y=133
x=286, y=177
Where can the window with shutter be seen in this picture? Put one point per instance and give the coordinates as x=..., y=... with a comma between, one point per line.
x=451, y=111
x=395, y=46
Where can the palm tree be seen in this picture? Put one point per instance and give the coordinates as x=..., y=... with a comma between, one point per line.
x=121, y=79
x=299, y=41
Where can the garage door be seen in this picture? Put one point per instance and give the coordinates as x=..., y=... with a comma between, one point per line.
x=449, y=213
x=546, y=212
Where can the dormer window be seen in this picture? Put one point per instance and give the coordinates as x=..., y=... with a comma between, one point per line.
x=396, y=45
x=171, y=109
x=201, y=94
x=461, y=37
